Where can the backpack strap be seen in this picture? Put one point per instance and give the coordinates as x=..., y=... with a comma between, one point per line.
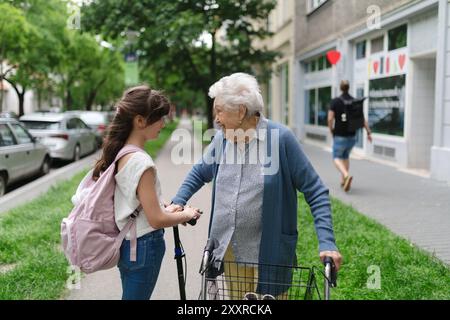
x=131, y=224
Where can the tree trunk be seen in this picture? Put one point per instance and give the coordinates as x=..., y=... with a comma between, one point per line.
x=69, y=99
x=93, y=94
x=21, y=96
x=1, y=85
x=209, y=107
x=90, y=100
x=213, y=67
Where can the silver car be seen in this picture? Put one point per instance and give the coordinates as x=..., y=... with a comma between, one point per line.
x=66, y=135
x=97, y=120
x=21, y=156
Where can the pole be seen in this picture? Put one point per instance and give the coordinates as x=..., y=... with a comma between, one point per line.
x=179, y=254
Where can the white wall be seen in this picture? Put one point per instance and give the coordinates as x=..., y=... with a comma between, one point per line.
x=422, y=105
x=423, y=35
x=440, y=154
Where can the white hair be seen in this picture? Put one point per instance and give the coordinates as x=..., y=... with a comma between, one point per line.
x=238, y=89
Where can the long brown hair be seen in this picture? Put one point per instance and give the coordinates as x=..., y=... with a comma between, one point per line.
x=152, y=105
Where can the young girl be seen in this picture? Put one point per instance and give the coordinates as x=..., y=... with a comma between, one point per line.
x=140, y=117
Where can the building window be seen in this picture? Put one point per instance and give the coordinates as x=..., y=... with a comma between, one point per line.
x=317, y=103
x=318, y=64
x=398, y=37
x=324, y=99
x=310, y=103
x=377, y=45
x=313, y=66
x=387, y=105
x=361, y=50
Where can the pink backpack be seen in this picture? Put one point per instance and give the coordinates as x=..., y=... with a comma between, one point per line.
x=90, y=237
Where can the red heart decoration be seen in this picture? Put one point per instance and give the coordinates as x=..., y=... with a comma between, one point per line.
x=375, y=66
x=401, y=61
x=333, y=56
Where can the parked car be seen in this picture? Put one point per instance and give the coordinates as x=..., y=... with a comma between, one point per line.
x=97, y=120
x=66, y=135
x=21, y=155
x=9, y=114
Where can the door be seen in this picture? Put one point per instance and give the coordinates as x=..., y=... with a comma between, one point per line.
x=74, y=134
x=11, y=157
x=25, y=141
x=359, y=134
x=87, y=137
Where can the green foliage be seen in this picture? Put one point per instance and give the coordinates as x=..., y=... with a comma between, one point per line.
x=171, y=39
x=53, y=60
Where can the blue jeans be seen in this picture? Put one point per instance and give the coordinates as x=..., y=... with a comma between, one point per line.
x=342, y=146
x=139, y=277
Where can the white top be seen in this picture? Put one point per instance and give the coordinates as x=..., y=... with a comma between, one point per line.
x=125, y=195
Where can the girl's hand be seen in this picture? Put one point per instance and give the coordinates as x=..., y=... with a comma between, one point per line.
x=190, y=213
x=173, y=208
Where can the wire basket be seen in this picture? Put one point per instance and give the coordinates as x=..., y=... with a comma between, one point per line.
x=254, y=281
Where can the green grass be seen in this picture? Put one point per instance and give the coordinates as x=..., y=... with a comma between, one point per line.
x=30, y=239
x=406, y=271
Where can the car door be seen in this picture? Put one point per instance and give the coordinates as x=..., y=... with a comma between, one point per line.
x=74, y=133
x=87, y=137
x=26, y=144
x=11, y=156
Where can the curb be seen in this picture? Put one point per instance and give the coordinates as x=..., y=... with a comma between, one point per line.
x=39, y=186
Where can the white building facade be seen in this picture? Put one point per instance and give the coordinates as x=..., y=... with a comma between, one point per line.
x=400, y=61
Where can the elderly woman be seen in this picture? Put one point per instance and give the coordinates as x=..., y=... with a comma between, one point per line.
x=254, y=200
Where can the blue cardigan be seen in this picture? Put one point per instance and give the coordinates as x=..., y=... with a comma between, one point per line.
x=279, y=217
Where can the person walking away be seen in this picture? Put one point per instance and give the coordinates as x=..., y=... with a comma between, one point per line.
x=343, y=139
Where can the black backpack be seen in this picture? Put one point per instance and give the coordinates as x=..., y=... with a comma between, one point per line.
x=354, y=110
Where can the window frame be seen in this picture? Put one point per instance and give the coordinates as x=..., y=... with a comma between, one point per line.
x=18, y=141
x=15, y=142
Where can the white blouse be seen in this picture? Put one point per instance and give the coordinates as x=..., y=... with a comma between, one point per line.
x=125, y=195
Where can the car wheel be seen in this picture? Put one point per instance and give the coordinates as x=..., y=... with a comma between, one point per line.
x=77, y=153
x=45, y=168
x=2, y=185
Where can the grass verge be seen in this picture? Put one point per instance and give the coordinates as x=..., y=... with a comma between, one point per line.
x=405, y=272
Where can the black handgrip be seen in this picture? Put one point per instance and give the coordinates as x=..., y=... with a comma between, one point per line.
x=333, y=280
x=211, y=244
x=193, y=222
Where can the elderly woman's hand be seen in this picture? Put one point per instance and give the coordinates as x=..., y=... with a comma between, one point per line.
x=335, y=255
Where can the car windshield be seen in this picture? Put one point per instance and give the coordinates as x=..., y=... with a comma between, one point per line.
x=42, y=125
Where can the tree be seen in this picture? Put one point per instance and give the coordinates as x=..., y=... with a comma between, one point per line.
x=194, y=42
x=41, y=52
x=14, y=32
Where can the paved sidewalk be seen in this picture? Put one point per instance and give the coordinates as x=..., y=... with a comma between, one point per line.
x=105, y=285
x=413, y=207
